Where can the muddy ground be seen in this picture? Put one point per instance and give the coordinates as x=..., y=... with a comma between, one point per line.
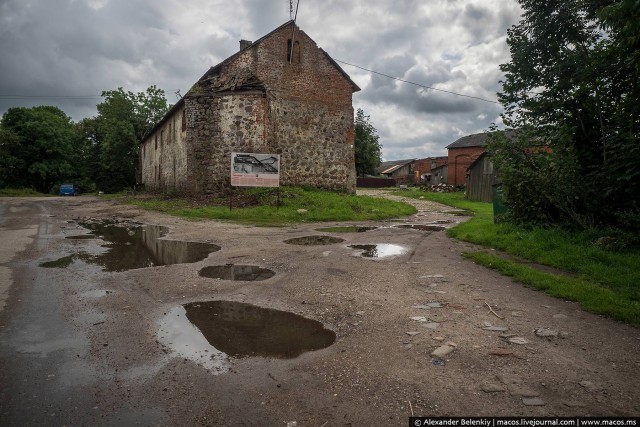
x=83, y=346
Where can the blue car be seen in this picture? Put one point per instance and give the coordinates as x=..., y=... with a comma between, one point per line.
x=68, y=190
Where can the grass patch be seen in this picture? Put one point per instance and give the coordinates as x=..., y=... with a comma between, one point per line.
x=20, y=192
x=257, y=206
x=592, y=297
x=616, y=273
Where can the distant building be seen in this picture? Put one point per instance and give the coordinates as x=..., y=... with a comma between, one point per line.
x=463, y=152
x=402, y=171
x=281, y=94
x=432, y=170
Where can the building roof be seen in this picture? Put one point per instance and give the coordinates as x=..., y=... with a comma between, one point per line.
x=476, y=140
x=216, y=69
x=393, y=165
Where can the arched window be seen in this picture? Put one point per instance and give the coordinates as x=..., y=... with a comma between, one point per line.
x=293, y=52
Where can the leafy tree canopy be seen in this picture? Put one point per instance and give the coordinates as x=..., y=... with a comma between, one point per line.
x=367, y=147
x=39, y=147
x=123, y=120
x=573, y=85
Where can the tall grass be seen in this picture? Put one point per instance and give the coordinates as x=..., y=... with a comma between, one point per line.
x=614, y=272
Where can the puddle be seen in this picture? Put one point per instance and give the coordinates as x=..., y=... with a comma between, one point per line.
x=380, y=250
x=130, y=246
x=63, y=262
x=242, y=330
x=346, y=229
x=421, y=227
x=247, y=273
x=81, y=237
x=184, y=339
x=314, y=240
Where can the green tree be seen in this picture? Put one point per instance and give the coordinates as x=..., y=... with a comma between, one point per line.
x=367, y=146
x=43, y=152
x=9, y=141
x=572, y=85
x=123, y=120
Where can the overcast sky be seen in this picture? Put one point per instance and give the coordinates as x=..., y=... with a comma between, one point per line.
x=66, y=52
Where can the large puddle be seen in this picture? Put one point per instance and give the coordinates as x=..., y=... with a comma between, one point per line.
x=346, y=229
x=314, y=240
x=380, y=250
x=247, y=273
x=131, y=246
x=241, y=330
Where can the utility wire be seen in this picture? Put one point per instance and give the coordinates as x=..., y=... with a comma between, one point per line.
x=10, y=96
x=417, y=84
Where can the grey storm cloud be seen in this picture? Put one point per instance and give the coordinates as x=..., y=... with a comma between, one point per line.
x=66, y=52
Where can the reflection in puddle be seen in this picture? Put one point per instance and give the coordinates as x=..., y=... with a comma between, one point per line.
x=314, y=240
x=247, y=273
x=346, y=229
x=380, y=250
x=241, y=330
x=422, y=227
x=134, y=246
x=180, y=335
x=81, y=237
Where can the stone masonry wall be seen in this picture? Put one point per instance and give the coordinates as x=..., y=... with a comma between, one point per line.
x=220, y=125
x=258, y=102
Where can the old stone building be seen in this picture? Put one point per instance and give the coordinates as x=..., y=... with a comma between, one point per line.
x=281, y=94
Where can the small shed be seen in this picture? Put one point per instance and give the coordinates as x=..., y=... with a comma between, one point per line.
x=481, y=176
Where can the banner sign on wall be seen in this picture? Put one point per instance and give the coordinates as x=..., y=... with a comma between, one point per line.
x=255, y=170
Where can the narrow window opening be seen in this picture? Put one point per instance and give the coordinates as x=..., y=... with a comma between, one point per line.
x=184, y=122
x=293, y=52
x=156, y=141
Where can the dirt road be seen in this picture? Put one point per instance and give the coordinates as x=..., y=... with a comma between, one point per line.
x=83, y=346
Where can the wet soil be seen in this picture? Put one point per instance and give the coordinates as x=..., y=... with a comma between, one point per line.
x=74, y=354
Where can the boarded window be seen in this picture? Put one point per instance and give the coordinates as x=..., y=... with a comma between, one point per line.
x=293, y=52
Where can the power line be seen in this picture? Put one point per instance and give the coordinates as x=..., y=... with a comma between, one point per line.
x=79, y=97
x=50, y=96
x=417, y=84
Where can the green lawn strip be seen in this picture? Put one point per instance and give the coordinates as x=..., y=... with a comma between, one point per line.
x=320, y=206
x=573, y=252
x=590, y=296
x=20, y=192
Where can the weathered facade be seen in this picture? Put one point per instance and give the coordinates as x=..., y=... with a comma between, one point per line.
x=481, y=178
x=462, y=153
x=280, y=95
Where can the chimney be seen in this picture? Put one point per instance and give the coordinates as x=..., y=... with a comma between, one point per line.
x=245, y=44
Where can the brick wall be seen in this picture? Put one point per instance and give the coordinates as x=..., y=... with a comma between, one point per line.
x=458, y=162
